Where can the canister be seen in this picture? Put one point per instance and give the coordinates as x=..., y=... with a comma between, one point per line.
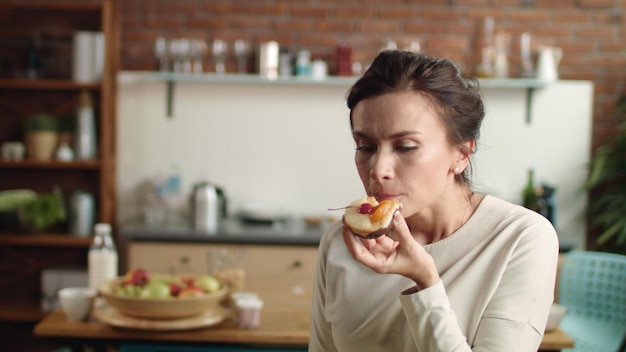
x=81, y=213
x=268, y=59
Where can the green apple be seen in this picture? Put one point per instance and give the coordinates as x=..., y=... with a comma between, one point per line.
x=128, y=290
x=155, y=289
x=208, y=283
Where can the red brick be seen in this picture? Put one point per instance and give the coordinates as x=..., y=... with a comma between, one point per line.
x=247, y=21
x=427, y=2
x=555, y=4
x=596, y=32
x=441, y=15
x=425, y=29
x=613, y=47
x=333, y=26
x=577, y=48
x=396, y=12
x=474, y=2
x=298, y=9
x=525, y=16
x=572, y=17
x=354, y=12
x=215, y=7
x=378, y=26
x=596, y=4
x=293, y=26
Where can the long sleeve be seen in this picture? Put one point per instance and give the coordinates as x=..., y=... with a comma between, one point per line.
x=514, y=311
x=497, y=283
x=321, y=339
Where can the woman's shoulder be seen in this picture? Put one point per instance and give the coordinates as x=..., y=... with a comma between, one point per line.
x=500, y=209
x=513, y=219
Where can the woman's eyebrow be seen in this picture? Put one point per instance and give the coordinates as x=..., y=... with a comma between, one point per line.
x=395, y=135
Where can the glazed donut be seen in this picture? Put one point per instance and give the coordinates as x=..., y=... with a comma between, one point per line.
x=369, y=218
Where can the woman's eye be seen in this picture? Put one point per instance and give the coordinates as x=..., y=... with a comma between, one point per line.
x=406, y=148
x=366, y=148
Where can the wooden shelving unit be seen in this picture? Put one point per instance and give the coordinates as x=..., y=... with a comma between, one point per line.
x=49, y=240
x=44, y=84
x=23, y=256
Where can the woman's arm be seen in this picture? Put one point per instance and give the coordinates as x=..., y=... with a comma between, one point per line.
x=515, y=311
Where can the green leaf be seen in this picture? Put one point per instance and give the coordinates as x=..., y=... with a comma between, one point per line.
x=610, y=232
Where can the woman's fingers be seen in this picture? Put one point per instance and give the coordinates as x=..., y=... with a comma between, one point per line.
x=400, y=229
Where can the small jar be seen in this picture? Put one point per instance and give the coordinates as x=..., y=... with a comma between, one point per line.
x=303, y=63
x=248, y=311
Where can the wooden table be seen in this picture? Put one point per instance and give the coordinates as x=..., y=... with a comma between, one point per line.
x=556, y=340
x=281, y=325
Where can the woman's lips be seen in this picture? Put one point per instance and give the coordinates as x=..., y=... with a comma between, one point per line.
x=380, y=197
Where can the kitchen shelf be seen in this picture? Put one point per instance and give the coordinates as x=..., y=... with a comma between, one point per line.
x=169, y=78
x=53, y=164
x=229, y=78
x=48, y=6
x=47, y=84
x=232, y=78
x=44, y=240
x=17, y=311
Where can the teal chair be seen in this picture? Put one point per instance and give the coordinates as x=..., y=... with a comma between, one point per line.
x=593, y=288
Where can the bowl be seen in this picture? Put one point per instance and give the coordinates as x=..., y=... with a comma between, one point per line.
x=557, y=312
x=76, y=302
x=159, y=308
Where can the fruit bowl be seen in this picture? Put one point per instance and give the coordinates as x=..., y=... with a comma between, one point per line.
x=159, y=308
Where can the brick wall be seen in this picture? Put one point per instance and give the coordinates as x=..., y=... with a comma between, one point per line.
x=592, y=33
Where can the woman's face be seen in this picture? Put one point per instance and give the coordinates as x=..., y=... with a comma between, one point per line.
x=402, y=151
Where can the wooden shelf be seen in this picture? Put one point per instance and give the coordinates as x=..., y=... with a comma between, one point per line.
x=47, y=6
x=47, y=84
x=52, y=164
x=44, y=240
x=20, y=311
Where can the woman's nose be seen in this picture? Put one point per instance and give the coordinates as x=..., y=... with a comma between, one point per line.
x=381, y=167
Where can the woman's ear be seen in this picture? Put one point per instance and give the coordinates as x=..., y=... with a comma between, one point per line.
x=465, y=152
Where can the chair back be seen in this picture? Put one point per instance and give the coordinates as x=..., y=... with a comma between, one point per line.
x=593, y=289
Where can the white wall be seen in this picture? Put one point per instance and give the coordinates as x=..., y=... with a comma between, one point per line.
x=290, y=144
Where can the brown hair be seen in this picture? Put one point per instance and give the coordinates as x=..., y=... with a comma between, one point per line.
x=455, y=97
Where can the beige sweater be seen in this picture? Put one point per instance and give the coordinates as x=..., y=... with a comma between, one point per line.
x=497, y=282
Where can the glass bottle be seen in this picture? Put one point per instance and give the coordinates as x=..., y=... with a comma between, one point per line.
x=102, y=257
x=530, y=197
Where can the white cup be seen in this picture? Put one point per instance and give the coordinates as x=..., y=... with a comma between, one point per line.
x=248, y=311
x=76, y=302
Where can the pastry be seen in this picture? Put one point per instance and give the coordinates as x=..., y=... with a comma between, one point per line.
x=369, y=218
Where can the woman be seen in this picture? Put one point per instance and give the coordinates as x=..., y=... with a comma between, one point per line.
x=460, y=271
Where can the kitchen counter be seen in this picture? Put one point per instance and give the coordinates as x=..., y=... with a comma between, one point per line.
x=291, y=231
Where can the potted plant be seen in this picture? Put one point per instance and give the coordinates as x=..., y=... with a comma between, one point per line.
x=43, y=212
x=11, y=201
x=41, y=134
x=607, y=186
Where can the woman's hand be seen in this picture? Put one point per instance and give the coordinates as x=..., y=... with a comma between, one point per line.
x=402, y=255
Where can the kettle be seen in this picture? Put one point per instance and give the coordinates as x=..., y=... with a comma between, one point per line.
x=208, y=207
x=548, y=60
